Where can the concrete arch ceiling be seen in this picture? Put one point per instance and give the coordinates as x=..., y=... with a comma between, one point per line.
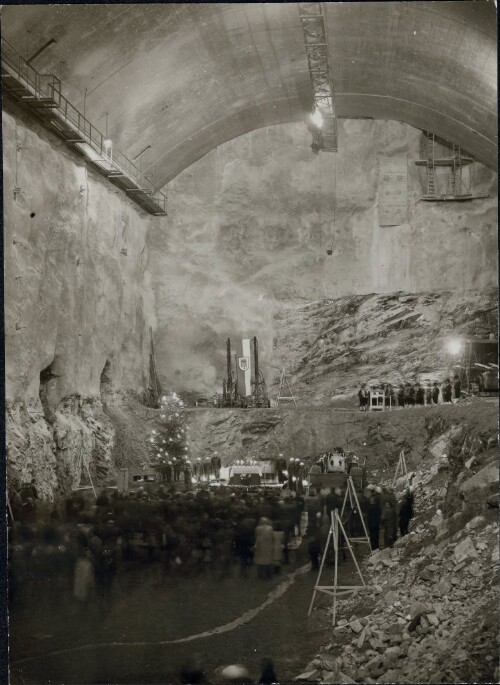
x=185, y=78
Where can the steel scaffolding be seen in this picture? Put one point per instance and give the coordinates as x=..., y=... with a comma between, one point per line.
x=313, y=18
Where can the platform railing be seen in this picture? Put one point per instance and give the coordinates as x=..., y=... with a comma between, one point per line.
x=48, y=87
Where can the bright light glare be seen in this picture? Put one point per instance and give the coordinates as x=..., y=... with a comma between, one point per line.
x=454, y=346
x=317, y=118
x=108, y=143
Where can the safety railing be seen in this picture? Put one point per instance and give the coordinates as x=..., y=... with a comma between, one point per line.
x=48, y=87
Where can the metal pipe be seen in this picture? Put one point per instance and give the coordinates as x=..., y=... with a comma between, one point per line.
x=40, y=50
x=141, y=153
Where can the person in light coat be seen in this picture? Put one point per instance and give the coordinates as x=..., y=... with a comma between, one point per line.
x=84, y=580
x=264, y=548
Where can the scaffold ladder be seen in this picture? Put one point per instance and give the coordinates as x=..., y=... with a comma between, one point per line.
x=431, y=166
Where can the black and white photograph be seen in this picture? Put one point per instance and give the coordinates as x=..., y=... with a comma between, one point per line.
x=251, y=408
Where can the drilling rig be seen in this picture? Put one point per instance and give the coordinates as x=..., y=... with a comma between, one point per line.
x=244, y=386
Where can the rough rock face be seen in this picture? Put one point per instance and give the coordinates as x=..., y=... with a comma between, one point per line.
x=77, y=303
x=329, y=347
x=380, y=436
x=251, y=222
x=49, y=454
x=86, y=274
x=429, y=612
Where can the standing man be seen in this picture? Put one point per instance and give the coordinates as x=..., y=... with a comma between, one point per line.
x=401, y=395
x=419, y=395
x=168, y=471
x=447, y=391
x=405, y=512
x=373, y=516
x=187, y=474
x=457, y=387
x=410, y=399
x=435, y=393
x=428, y=393
x=389, y=520
x=363, y=398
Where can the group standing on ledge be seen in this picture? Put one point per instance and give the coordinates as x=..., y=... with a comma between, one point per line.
x=411, y=395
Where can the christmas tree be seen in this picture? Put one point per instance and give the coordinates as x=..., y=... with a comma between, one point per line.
x=168, y=444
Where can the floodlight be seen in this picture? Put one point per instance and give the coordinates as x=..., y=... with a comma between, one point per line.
x=454, y=346
x=317, y=118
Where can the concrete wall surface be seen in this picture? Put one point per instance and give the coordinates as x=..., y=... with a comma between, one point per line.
x=249, y=227
x=75, y=259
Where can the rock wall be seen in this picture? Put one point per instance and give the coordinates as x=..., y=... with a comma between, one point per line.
x=251, y=222
x=298, y=433
x=77, y=303
x=330, y=347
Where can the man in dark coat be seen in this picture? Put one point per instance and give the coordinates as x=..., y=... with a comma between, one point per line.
x=390, y=523
x=314, y=537
x=405, y=512
x=410, y=396
x=401, y=396
x=419, y=395
x=333, y=501
x=447, y=391
x=373, y=516
x=186, y=470
x=435, y=393
x=363, y=398
x=428, y=393
x=457, y=387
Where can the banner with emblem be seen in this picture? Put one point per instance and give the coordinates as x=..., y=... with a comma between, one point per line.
x=243, y=363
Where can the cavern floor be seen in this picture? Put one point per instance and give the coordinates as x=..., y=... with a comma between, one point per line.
x=445, y=572
x=150, y=628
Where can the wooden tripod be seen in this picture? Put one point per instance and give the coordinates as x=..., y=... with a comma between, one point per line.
x=354, y=502
x=335, y=590
x=283, y=381
x=401, y=468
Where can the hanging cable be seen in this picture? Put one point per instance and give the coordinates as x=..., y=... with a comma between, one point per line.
x=322, y=202
x=334, y=197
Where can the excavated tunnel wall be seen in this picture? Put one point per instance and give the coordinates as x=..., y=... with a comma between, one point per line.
x=86, y=273
x=78, y=304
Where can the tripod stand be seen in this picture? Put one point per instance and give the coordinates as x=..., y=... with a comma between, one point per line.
x=354, y=502
x=335, y=590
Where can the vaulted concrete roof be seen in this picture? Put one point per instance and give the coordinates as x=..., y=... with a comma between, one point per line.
x=184, y=78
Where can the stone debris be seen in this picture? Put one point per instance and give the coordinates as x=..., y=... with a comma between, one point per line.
x=464, y=550
x=432, y=598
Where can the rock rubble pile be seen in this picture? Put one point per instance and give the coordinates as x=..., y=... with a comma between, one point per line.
x=429, y=612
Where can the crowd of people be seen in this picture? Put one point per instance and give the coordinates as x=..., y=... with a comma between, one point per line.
x=382, y=515
x=82, y=546
x=182, y=468
x=411, y=394
x=189, y=532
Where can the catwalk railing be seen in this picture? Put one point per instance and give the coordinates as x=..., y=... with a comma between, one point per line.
x=42, y=93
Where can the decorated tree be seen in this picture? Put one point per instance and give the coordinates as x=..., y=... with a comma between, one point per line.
x=168, y=440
